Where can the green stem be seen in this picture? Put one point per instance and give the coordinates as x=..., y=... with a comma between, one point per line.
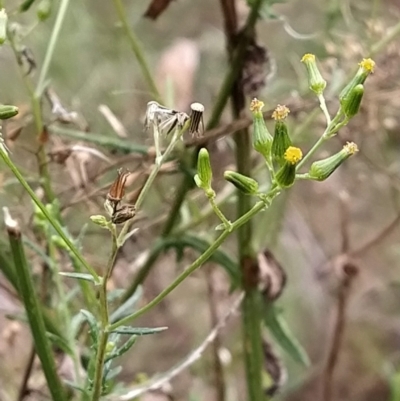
x=187, y=181
x=332, y=127
x=104, y=315
x=48, y=216
x=194, y=266
x=51, y=47
x=137, y=50
x=227, y=224
x=150, y=180
x=35, y=318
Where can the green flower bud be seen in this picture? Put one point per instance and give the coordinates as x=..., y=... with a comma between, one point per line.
x=353, y=102
x=281, y=139
x=262, y=139
x=322, y=169
x=204, y=171
x=110, y=347
x=3, y=26
x=316, y=83
x=287, y=173
x=99, y=220
x=366, y=67
x=26, y=5
x=245, y=184
x=44, y=9
x=7, y=111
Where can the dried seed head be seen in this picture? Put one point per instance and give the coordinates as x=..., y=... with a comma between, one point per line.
x=117, y=190
x=196, y=119
x=125, y=213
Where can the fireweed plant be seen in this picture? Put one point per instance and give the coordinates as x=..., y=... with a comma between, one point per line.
x=111, y=331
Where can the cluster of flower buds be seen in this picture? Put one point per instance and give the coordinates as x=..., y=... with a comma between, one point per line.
x=119, y=213
x=277, y=150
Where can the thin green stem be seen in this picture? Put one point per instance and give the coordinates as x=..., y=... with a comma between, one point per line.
x=150, y=180
x=324, y=109
x=32, y=309
x=137, y=50
x=104, y=315
x=48, y=216
x=194, y=266
x=51, y=47
x=187, y=181
x=332, y=127
x=227, y=224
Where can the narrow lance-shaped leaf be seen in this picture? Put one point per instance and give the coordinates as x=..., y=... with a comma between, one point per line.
x=139, y=331
x=93, y=327
x=279, y=329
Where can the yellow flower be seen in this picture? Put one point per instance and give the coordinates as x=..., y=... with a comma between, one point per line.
x=308, y=57
x=367, y=64
x=293, y=155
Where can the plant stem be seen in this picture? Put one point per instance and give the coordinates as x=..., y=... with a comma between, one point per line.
x=137, y=50
x=104, y=315
x=37, y=115
x=251, y=306
x=187, y=181
x=48, y=216
x=194, y=266
x=32, y=308
x=51, y=47
x=227, y=224
x=150, y=180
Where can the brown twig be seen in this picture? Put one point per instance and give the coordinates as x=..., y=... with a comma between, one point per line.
x=377, y=239
x=23, y=390
x=348, y=272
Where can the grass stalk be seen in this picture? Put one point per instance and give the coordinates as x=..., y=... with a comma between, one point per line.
x=32, y=308
x=137, y=50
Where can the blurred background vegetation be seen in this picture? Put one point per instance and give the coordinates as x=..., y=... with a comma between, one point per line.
x=310, y=229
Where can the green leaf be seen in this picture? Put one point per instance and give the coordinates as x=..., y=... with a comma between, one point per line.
x=280, y=330
x=75, y=386
x=110, y=374
x=201, y=245
x=60, y=343
x=138, y=331
x=127, y=307
x=93, y=327
x=124, y=348
x=78, y=276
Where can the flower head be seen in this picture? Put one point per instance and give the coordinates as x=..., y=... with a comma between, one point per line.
x=256, y=105
x=280, y=113
x=293, y=155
